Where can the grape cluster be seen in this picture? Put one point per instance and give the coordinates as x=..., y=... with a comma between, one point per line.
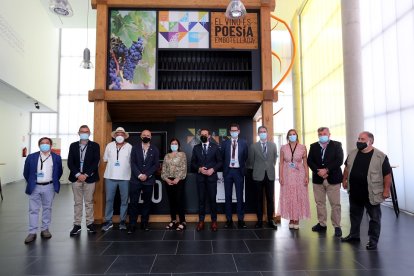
x=132, y=57
x=123, y=61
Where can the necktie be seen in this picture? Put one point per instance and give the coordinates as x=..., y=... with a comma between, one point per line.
x=233, y=152
x=264, y=150
x=205, y=149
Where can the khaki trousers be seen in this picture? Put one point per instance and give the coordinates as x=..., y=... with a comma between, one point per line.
x=320, y=191
x=83, y=192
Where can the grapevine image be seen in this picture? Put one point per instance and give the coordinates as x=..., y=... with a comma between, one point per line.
x=131, y=56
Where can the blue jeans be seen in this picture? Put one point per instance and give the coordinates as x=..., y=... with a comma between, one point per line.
x=110, y=187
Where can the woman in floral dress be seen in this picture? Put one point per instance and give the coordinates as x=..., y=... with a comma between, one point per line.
x=294, y=179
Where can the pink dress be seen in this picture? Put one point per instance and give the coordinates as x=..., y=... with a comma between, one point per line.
x=294, y=198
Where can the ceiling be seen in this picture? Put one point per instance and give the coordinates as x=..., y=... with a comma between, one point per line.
x=285, y=9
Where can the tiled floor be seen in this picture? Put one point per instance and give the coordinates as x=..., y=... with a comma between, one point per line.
x=226, y=252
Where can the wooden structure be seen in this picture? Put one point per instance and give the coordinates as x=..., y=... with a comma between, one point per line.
x=134, y=105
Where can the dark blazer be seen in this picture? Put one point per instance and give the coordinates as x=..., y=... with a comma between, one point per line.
x=90, y=163
x=148, y=166
x=30, y=171
x=334, y=157
x=212, y=160
x=242, y=151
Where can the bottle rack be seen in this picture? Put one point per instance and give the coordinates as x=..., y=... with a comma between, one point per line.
x=204, y=70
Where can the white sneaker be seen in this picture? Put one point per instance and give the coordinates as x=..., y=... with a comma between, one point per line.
x=296, y=226
x=291, y=225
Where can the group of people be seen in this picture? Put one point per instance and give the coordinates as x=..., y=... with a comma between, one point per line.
x=132, y=169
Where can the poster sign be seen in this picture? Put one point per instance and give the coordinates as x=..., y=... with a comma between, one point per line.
x=234, y=34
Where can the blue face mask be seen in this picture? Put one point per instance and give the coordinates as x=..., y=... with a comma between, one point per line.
x=234, y=134
x=174, y=147
x=323, y=138
x=293, y=138
x=84, y=136
x=263, y=136
x=44, y=147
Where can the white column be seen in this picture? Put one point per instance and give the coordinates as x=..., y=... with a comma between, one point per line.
x=353, y=86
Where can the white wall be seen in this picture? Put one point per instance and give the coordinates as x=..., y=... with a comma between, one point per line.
x=29, y=53
x=14, y=124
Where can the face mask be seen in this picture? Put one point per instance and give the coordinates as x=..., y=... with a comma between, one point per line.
x=234, y=134
x=263, y=136
x=293, y=138
x=119, y=139
x=174, y=147
x=361, y=145
x=84, y=136
x=323, y=138
x=203, y=139
x=145, y=140
x=44, y=147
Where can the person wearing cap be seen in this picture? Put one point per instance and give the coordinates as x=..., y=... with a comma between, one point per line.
x=42, y=171
x=117, y=175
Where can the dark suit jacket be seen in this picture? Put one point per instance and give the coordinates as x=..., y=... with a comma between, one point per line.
x=212, y=160
x=30, y=171
x=242, y=151
x=90, y=163
x=334, y=157
x=148, y=166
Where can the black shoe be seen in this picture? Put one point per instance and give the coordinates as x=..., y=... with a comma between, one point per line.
x=91, y=228
x=229, y=224
x=241, y=224
x=145, y=226
x=259, y=224
x=338, y=232
x=319, y=228
x=371, y=246
x=350, y=239
x=75, y=230
x=272, y=224
x=131, y=229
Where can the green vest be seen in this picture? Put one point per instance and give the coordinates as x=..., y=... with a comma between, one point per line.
x=374, y=177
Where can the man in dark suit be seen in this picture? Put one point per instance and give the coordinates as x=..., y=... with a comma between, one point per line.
x=325, y=159
x=234, y=154
x=144, y=164
x=206, y=161
x=83, y=163
x=42, y=171
x=262, y=160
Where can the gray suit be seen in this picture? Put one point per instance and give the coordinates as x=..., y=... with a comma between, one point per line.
x=263, y=165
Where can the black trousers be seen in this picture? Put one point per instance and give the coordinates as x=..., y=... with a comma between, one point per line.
x=356, y=212
x=269, y=187
x=134, y=193
x=207, y=187
x=176, y=198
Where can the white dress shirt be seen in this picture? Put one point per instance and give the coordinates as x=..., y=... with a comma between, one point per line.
x=117, y=169
x=45, y=172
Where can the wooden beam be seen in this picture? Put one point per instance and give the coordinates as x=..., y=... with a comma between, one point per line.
x=101, y=46
x=193, y=4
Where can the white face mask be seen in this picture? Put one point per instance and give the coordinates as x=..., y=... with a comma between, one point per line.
x=119, y=139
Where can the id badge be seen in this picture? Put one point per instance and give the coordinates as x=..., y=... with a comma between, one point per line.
x=40, y=174
x=117, y=164
x=233, y=162
x=292, y=165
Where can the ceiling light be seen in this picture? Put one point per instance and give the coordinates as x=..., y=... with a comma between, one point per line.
x=60, y=7
x=86, y=62
x=235, y=10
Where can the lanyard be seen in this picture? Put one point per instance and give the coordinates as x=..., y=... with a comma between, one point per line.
x=43, y=161
x=292, y=151
x=82, y=155
x=117, y=152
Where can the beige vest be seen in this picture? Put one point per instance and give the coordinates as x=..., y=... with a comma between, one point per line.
x=374, y=177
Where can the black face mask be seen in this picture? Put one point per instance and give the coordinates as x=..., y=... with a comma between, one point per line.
x=145, y=140
x=361, y=145
x=203, y=139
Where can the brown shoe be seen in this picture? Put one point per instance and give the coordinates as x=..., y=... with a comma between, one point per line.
x=214, y=226
x=45, y=234
x=200, y=226
x=30, y=238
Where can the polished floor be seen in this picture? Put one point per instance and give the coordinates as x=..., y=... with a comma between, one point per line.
x=226, y=252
